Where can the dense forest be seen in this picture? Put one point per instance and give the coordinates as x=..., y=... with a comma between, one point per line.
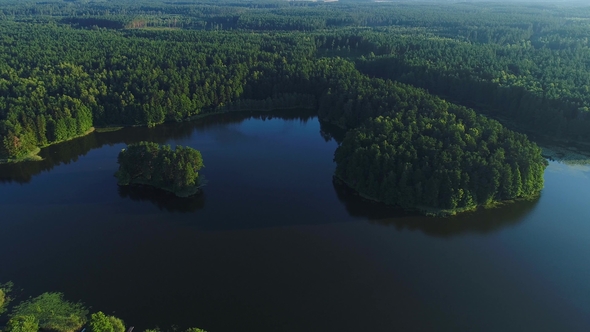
x=147, y=163
x=69, y=66
x=418, y=151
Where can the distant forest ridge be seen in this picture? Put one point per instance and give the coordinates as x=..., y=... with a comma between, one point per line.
x=523, y=63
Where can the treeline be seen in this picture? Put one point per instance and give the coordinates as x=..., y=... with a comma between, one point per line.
x=542, y=90
x=69, y=152
x=51, y=312
x=537, y=87
x=480, y=22
x=55, y=82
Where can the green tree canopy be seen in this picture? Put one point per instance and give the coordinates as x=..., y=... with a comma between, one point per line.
x=53, y=312
x=22, y=324
x=99, y=322
x=442, y=162
x=148, y=163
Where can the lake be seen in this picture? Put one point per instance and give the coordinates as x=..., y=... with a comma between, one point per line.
x=273, y=244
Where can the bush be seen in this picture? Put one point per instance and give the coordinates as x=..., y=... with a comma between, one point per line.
x=2, y=300
x=22, y=324
x=53, y=312
x=99, y=322
x=117, y=323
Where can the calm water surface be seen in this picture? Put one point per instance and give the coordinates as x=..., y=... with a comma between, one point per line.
x=275, y=245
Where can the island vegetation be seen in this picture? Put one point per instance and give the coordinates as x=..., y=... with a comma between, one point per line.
x=176, y=171
x=51, y=312
x=440, y=165
x=417, y=75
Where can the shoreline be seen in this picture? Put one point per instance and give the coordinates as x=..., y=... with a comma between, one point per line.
x=435, y=212
x=34, y=154
x=565, y=155
x=422, y=209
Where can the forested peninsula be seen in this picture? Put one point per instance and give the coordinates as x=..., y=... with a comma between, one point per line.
x=68, y=67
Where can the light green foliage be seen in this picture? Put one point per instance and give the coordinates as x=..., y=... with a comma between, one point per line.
x=117, y=324
x=99, y=322
x=22, y=324
x=160, y=166
x=53, y=312
x=192, y=329
x=2, y=300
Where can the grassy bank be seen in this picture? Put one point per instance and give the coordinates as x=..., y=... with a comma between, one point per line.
x=34, y=154
x=31, y=156
x=109, y=129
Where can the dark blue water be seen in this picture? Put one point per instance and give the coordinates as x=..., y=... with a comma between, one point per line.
x=274, y=245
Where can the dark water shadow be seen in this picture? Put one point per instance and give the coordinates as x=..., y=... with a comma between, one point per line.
x=70, y=151
x=482, y=221
x=163, y=199
x=331, y=132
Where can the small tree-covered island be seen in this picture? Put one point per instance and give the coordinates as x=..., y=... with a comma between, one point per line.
x=149, y=164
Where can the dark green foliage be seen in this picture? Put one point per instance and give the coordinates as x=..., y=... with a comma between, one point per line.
x=99, y=322
x=66, y=68
x=161, y=167
x=519, y=84
x=443, y=158
x=416, y=150
x=52, y=313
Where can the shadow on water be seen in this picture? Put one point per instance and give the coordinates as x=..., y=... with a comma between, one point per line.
x=482, y=221
x=70, y=151
x=331, y=132
x=162, y=199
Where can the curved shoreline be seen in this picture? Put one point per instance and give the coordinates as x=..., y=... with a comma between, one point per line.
x=435, y=212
